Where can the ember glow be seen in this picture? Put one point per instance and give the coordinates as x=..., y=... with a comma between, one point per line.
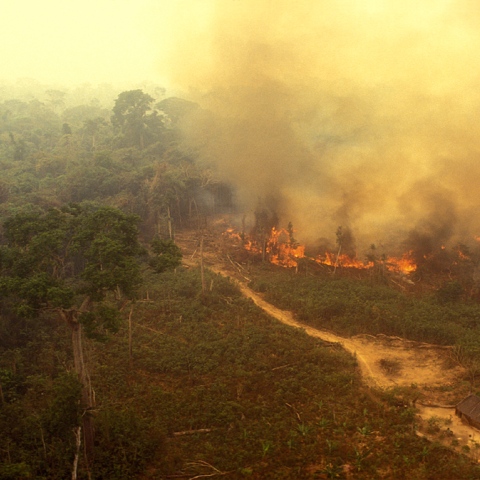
x=404, y=264
x=362, y=114
x=279, y=250
x=342, y=261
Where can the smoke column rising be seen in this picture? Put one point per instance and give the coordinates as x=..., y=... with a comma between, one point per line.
x=361, y=114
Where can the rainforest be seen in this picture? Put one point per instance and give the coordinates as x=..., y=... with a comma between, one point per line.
x=239, y=239
x=128, y=349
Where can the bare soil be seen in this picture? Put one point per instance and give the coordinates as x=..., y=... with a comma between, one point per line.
x=428, y=373
x=425, y=368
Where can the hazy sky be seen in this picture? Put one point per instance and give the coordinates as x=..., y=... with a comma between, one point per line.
x=77, y=41
x=362, y=113
x=134, y=40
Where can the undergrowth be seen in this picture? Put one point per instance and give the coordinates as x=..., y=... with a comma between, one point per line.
x=213, y=387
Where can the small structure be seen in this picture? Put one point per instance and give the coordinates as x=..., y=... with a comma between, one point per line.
x=469, y=410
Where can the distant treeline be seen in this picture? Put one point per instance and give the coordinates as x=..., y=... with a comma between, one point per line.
x=129, y=156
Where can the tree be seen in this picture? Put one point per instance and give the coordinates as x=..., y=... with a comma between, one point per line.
x=132, y=119
x=165, y=190
x=265, y=220
x=56, y=98
x=291, y=239
x=176, y=109
x=340, y=235
x=346, y=244
x=167, y=255
x=75, y=262
x=91, y=128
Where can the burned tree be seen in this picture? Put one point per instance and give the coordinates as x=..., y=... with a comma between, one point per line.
x=346, y=244
x=265, y=220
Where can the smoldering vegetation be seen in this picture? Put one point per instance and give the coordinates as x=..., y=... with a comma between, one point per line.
x=360, y=115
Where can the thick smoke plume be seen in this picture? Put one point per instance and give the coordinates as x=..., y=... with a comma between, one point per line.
x=360, y=114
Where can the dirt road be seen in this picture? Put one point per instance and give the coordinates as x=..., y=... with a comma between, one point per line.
x=386, y=362
x=419, y=364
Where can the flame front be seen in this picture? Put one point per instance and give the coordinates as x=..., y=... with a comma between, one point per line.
x=346, y=261
x=285, y=254
x=281, y=250
x=404, y=264
x=278, y=246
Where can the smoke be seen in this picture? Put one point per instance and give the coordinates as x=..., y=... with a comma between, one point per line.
x=360, y=114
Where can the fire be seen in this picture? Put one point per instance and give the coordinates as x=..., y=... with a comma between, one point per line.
x=280, y=249
x=231, y=233
x=404, y=264
x=278, y=246
x=282, y=253
x=342, y=261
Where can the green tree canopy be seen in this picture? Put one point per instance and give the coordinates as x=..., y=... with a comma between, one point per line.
x=67, y=260
x=132, y=120
x=82, y=249
x=167, y=255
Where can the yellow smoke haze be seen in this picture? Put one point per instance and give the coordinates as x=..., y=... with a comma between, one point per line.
x=361, y=114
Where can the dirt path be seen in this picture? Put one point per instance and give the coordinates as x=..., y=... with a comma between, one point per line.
x=384, y=362
x=422, y=365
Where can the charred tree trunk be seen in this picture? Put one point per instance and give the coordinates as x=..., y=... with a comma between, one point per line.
x=336, y=260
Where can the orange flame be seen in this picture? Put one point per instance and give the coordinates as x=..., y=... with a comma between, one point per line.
x=281, y=251
x=405, y=264
x=342, y=261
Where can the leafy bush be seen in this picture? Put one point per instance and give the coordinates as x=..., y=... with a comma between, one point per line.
x=167, y=255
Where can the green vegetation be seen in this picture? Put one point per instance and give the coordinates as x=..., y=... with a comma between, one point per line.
x=351, y=307
x=127, y=156
x=178, y=382
x=213, y=383
x=167, y=255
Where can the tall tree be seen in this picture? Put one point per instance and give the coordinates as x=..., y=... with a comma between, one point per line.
x=165, y=190
x=56, y=98
x=71, y=261
x=134, y=118
x=91, y=127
